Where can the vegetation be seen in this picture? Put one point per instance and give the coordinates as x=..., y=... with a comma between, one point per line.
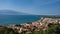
x=52, y=29
x=18, y=25
x=6, y=30
x=40, y=32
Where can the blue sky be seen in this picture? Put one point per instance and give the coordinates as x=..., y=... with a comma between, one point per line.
x=35, y=7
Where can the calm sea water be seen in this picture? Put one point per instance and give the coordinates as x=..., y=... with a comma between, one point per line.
x=18, y=19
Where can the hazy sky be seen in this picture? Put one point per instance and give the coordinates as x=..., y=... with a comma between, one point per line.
x=37, y=7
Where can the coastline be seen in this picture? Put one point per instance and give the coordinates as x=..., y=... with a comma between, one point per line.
x=34, y=26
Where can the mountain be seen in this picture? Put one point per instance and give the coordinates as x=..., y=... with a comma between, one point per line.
x=11, y=12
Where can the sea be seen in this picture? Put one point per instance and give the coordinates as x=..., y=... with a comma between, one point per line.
x=18, y=19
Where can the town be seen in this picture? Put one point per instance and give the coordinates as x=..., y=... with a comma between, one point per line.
x=35, y=26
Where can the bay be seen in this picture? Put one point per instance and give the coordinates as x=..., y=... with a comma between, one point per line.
x=18, y=19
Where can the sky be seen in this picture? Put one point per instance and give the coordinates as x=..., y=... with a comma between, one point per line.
x=34, y=7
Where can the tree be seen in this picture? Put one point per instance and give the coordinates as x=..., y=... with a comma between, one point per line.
x=7, y=31
x=53, y=29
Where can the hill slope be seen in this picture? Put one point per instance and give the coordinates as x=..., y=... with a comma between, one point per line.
x=11, y=12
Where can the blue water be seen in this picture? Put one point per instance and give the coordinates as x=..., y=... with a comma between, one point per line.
x=18, y=19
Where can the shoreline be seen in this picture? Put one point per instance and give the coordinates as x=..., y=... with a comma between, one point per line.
x=34, y=26
x=28, y=22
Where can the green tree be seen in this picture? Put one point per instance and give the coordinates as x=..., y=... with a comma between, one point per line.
x=7, y=31
x=53, y=29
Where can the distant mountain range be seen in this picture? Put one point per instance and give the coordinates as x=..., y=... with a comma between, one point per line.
x=11, y=12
